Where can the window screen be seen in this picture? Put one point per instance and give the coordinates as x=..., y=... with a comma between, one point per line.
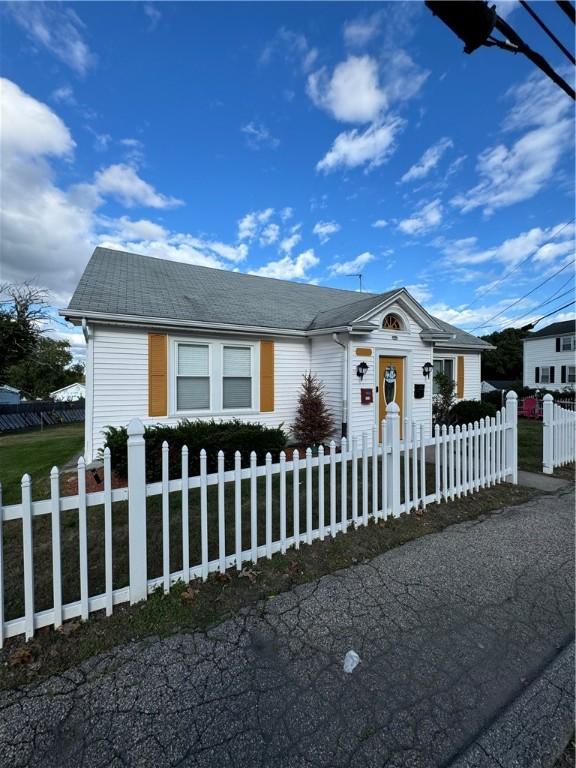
x=237, y=377
x=193, y=378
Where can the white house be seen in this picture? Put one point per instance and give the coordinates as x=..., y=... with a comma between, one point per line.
x=167, y=341
x=72, y=392
x=550, y=357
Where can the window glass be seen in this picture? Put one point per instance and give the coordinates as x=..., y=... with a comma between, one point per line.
x=193, y=379
x=567, y=343
x=445, y=366
x=545, y=375
x=572, y=374
x=237, y=377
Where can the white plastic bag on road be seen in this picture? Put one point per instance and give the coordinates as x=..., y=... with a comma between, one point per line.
x=351, y=661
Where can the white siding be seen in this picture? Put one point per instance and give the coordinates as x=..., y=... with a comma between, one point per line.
x=542, y=352
x=326, y=361
x=120, y=381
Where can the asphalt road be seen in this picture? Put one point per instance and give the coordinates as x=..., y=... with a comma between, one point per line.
x=450, y=630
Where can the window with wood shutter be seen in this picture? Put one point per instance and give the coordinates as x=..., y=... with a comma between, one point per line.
x=460, y=378
x=266, y=376
x=157, y=374
x=237, y=377
x=193, y=377
x=445, y=366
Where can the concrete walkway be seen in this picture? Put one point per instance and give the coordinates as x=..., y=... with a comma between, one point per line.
x=542, y=482
x=463, y=638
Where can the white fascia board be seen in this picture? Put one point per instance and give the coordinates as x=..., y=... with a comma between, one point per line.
x=411, y=305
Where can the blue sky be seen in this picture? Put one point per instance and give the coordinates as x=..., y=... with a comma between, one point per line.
x=297, y=140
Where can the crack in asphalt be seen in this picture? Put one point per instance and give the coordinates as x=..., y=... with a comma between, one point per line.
x=449, y=628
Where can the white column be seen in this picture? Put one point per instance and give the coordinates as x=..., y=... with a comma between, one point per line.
x=393, y=440
x=512, y=437
x=137, y=512
x=548, y=435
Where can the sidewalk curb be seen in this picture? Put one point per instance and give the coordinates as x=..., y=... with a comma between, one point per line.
x=533, y=731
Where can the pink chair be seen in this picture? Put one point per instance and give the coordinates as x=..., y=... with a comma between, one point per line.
x=530, y=408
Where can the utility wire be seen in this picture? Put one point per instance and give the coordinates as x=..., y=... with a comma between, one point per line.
x=552, y=276
x=553, y=313
x=568, y=9
x=507, y=274
x=549, y=32
x=554, y=297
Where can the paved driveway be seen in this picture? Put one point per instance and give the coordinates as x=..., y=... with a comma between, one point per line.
x=450, y=629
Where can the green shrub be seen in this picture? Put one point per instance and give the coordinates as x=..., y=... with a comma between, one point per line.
x=213, y=436
x=469, y=411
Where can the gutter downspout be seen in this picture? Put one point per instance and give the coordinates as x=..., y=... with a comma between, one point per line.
x=336, y=339
x=89, y=401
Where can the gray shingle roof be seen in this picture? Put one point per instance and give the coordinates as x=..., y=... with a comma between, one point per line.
x=120, y=283
x=554, y=329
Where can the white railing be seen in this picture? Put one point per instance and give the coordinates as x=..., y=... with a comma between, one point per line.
x=314, y=496
x=559, y=436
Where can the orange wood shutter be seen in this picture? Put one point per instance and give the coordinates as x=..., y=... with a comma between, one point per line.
x=266, y=376
x=460, y=377
x=363, y=351
x=157, y=374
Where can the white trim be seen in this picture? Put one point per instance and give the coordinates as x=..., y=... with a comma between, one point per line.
x=408, y=303
x=454, y=359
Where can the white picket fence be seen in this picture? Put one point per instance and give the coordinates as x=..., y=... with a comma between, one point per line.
x=315, y=496
x=559, y=436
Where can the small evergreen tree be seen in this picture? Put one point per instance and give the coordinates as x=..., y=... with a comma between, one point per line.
x=443, y=400
x=314, y=422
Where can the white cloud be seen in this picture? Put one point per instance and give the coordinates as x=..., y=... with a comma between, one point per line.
x=428, y=161
x=142, y=229
x=512, y=173
x=153, y=15
x=420, y=291
x=505, y=7
x=56, y=28
x=360, y=31
x=352, y=93
x=269, y=234
x=403, y=77
x=380, y=223
x=355, y=265
x=258, y=136
x=64, y=95
x=30, y=128
x=122, y=182
x=286, y=213
x=250, y=224
x=294, y=47
x=423, y=220
x=287, y=244
x=354, y=148
x=289, y=268
x=325, y=229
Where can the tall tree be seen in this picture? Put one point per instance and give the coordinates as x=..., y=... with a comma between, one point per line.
x=48, y=367
x=23, y=309
x=504, y=362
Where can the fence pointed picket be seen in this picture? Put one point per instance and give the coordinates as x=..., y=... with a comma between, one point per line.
x=165, y=520
x=56, y=547
x=444, y=462
x=108, y=569
x=268, y=463
x=406, y=447
x=414, y=433
x=203, y=515
x=374, y=455
x=422, y=466
x=492, y=450
x=498, y=443
x=458, y=460
x=253, y=506
x=332, y=488
x=238, y=509
x=282, y=502
x=83, y=538
x=451, y=469
x=437, y=467
x=28, y=557
x=384, y=470
x=344, y=484
x=309, y=495
x=464, y=458
x=355, y=481
x=296, y=496
x=221, y=515
x=321, y=491
x=470, y=430
x=364, y=478
x=185, y=517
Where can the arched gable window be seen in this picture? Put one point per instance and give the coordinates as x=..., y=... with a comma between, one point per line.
x=392, y=322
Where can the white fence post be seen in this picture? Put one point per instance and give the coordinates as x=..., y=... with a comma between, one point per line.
x=548, y=435
x=393, y=440
x=512, y=421
x=137, y=512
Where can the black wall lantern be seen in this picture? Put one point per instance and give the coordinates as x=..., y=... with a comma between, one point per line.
x=361, y=369
x=427, y=369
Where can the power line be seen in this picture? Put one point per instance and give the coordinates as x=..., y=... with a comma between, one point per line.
x=552, y=313
x=554, y=297
x=549, y=32
x=568, y=9
x=487, y=323
x=552, y=237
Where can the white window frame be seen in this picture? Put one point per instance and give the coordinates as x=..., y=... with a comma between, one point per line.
x=546, y=368
x=571, y=343
x=444, y=357
x=216, y=371
x=238, y=345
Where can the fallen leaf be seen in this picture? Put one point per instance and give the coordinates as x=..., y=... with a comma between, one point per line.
x=249, y=574
x=20, y=656
x=294, y=568
x=189, y=594
x=69, y=627
x=225, y=578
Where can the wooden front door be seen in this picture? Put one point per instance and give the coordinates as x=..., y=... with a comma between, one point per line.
x=390, y=387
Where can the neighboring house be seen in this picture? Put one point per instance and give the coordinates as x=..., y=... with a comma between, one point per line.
x=501, y=384
x=70, y=393
x=168, y=340
x=9, y=395
x=550, y=357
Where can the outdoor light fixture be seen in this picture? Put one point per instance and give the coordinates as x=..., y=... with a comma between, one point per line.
x=427, y=369
x=361, y=369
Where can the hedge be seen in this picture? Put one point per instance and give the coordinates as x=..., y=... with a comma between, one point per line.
x=213, y=436
x=469, y=411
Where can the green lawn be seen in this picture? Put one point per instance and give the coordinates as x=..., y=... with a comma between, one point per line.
x=530, y=445
x=36, y=452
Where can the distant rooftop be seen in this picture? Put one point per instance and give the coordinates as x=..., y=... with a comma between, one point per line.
x=554, y=329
